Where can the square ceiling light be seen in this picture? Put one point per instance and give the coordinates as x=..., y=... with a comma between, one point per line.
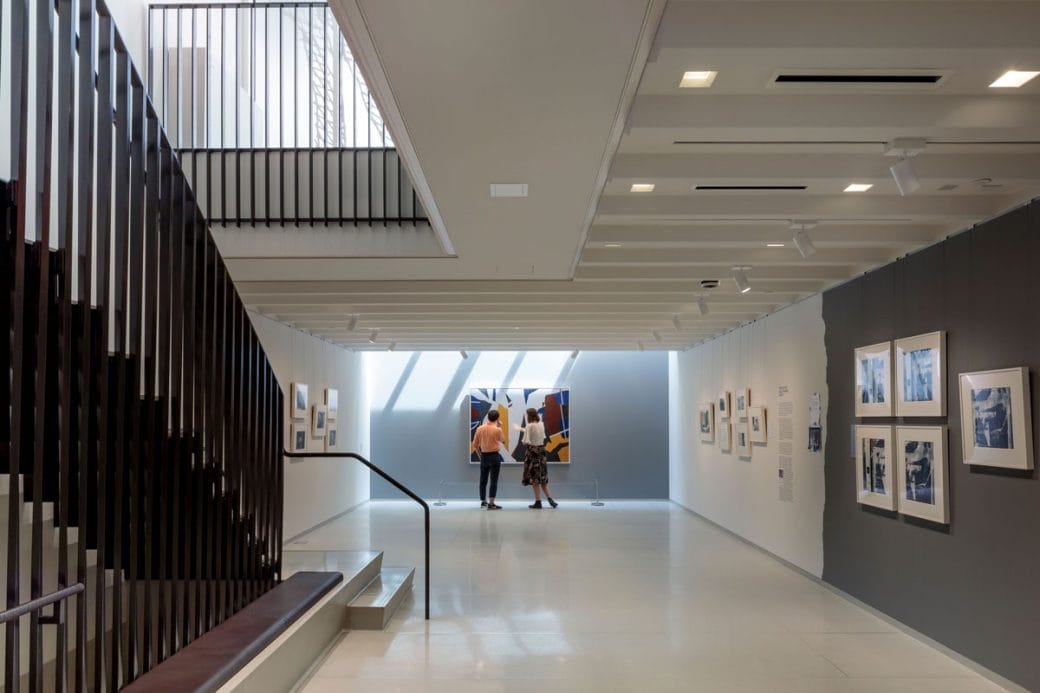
x=859, y=187
x=697, y=79
x=642, y=187
x=1013, y=79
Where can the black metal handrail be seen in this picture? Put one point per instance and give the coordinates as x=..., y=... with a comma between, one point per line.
x=46, y=600
x=400, y=487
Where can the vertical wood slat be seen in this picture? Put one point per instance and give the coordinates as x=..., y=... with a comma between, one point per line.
x=65, y=126
x=44, y=183
x=86, y=231
x=19, y=81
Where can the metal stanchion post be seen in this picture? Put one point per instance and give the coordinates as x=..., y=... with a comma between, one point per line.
x=598, y=503
x=440, y=494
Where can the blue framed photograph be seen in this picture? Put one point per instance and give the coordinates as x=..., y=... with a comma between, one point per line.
x=996, y=419
x=921, y=375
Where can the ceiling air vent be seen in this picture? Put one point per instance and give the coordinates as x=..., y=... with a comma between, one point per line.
x=750, y=187
x=858, y=79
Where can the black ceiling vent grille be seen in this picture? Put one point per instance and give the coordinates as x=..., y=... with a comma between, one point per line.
x=858, y=78
x=767, y=188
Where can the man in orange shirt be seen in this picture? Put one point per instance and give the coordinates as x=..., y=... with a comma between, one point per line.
x=486, y=441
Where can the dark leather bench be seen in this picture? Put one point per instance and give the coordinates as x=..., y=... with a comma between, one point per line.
x=210, y=662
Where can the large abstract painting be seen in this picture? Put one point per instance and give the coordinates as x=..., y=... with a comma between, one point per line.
x=553, y=405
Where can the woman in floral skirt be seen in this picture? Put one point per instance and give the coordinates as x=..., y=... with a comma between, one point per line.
x=536, y=471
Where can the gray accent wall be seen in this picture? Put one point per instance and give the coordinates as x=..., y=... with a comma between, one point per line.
x=619, y=420
x=974, y=585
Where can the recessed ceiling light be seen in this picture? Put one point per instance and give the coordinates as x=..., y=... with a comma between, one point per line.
x=775, y=245
x=697, y=79
x=859, y=187
x=611, y=245
x=1012, y=79
x=642, y=187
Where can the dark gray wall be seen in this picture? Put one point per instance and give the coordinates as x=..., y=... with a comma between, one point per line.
x=974, y=586
x=619, y=432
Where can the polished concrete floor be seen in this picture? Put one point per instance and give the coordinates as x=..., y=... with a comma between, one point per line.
x=630, y=597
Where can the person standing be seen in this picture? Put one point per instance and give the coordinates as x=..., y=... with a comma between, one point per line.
x=536, y=471
x=486, y=441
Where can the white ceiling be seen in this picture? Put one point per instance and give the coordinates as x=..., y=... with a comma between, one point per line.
x=544, y=92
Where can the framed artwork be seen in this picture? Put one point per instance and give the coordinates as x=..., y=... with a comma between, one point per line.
x=331, y=403
x=706, y=422
x=298, y=436
x=553, y=405
x=922, y=471
x=742, y=439
x=330, y=437
x=722, y=404
x=875, y=483
x=741, y=402
x=725, y=437
x=318, y=420
x=874, y=380
x=299, y=401
x=996, y=421
x=920, y=375
x=757, y=424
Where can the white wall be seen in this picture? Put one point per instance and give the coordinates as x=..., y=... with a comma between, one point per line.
x=785, y=348
x=318, y=489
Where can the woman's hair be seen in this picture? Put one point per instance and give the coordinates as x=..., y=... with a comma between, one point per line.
x=532, y=415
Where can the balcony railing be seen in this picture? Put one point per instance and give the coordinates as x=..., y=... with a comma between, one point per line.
x=272, y=118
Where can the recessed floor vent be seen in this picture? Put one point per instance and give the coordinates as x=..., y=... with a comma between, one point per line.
x=751, y=187
x=867, y=79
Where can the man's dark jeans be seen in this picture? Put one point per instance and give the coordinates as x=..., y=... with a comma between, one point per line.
x=490, y=465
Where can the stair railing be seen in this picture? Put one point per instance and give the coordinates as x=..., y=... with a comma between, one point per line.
x=16, y=612
x=400, y=487
x=134, y=395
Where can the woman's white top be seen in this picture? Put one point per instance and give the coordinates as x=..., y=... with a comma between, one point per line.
x=534, y=433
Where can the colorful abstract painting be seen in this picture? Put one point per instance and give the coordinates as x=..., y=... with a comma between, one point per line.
x=553, y=405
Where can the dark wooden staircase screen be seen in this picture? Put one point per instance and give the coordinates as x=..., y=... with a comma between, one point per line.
x=137, y=397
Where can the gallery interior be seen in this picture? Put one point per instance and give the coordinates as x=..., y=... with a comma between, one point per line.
x=725, y=307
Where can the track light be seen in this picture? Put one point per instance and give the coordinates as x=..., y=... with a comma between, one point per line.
x=464, y=354
x=353, y=323
x=905, y=177
x=675, y=319
x=741, y=280
x=804, y=244
x=656, y=335
x=903, y=171
x=391, y=346
x=702, y=305
x=574, y=354
x=372, y=337
x=642, y=347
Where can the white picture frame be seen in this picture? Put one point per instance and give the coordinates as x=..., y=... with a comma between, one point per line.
x=742, y=439
x=298, y=401
x=298, y=433
x=726, y=437
x=756, y=422
x=873, y=378
x=741, y=402
x=923, y=472
x=875, y=467
x=722, y=405
x=331, y=437
x=331, y=403
x=319, y=420
x=706, y=422
x=920, y=375
x=996, y=418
